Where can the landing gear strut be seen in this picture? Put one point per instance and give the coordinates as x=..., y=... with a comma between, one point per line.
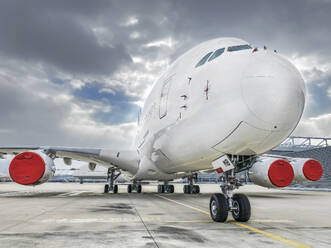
x=237, y=204
x=111, y=177
x=162, y=188
x=191, y=188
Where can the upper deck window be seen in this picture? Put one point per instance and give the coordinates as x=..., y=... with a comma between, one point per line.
x=217, y=53
x=238, y=48
x=204, y=59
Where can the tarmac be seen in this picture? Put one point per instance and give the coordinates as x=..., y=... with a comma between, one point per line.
x=74, y=215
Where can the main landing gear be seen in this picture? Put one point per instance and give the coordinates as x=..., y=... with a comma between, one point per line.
x=191, y=188
x=135, y=186
x=112, y=175
x=237, y=204
x=165, y=188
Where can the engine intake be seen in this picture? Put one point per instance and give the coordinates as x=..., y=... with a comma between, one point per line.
x=271, y=172
x=306, y=169
x=31, y=168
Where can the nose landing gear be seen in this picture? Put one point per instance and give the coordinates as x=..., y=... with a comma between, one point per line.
x=237, y=204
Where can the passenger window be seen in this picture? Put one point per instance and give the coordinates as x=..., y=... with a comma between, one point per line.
x=238, y=48
x=217, y=53
x=203, y=60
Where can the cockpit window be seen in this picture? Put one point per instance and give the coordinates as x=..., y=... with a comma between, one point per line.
x=204, y=59
x=238, y=48
x=217, y=53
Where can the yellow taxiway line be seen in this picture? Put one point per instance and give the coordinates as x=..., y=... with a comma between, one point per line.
x=267, y=234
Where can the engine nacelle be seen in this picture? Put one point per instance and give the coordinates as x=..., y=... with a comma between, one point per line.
x=31, y=168
x=306, y=169
x=271, y=172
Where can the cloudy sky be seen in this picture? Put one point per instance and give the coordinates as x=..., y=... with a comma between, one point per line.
x=74, y=73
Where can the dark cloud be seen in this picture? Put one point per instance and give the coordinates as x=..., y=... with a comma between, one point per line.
x=55, y=33
x=319, y=102
x=60, y=32
x=290, y=26
x=23, y=115
x=31, y=117
x=55, y=42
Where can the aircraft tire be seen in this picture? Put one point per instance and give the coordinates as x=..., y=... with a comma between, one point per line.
x=218, y=207
x=185, y=189
x=171, y=189
x=129, y=188
x=115, y=190
x=189, y=189
x=195, y=189
x=106, y=189
x=160, y=189
x=139, y=188
x=244, y=208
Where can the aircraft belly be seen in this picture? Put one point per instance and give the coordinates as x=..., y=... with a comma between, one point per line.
x=246, y=139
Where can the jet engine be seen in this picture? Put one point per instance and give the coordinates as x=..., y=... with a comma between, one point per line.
x=306, y=169
x=31, y=168
x=271, y=172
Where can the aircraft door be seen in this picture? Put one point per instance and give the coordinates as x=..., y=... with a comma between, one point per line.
x=164, y=97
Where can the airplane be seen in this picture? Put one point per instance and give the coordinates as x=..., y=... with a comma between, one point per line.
x=219, y=107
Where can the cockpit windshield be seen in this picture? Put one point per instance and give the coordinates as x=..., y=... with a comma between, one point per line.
x=204, y=59
x=238, y=48
x=217, y=53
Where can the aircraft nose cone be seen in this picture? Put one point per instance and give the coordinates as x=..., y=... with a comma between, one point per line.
x=273, y=91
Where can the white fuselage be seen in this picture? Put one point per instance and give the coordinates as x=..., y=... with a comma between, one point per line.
x=241, y=102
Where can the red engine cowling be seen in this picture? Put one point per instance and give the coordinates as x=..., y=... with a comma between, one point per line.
x=306, y=169
x=31, y=168
x=271, y=172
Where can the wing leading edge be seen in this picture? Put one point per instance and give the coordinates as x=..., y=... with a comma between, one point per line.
x=124, y=160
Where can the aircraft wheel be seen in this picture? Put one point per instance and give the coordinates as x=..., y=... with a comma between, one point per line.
x=160, y=189
x=242, y=212
x=129, y=188
x=195, y=189
x=106, y=189
x=187, y=189
x=170, y=189
x=139, y=188
x=218, y=207
x=115, y=190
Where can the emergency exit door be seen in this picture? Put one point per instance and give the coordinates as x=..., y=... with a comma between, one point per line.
x=164, y=97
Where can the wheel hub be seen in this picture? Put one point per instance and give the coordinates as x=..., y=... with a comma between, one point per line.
x=235, y=208
x=213, y=208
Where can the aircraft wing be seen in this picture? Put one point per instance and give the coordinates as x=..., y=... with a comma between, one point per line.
x=124, y=160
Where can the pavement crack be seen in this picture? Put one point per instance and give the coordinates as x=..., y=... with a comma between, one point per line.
x=142, y=221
